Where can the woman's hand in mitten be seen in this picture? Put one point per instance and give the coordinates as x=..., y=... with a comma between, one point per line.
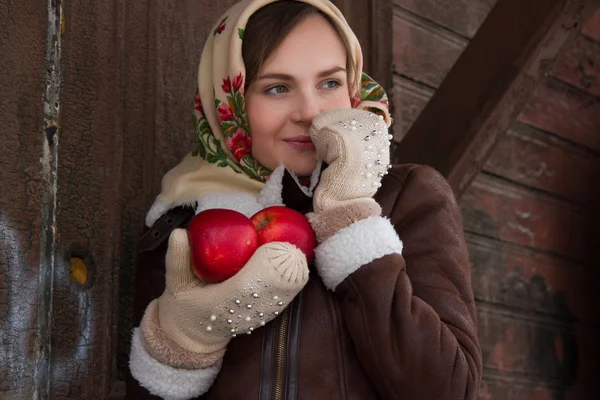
x=355, y=146
x=202, y=318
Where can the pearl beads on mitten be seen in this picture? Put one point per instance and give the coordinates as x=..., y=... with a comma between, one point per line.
x=355, y=144
x=202, y=318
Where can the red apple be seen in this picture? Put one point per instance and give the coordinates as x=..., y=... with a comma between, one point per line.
x=282, y=224
x=221, y=241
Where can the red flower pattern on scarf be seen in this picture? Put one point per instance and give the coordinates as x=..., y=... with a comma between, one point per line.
x=240, y=144
x=225, y=113
x=237, y=82
x=198, y=103
x=226, y=86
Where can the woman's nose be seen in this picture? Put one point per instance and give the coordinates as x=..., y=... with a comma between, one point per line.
x=308, y=108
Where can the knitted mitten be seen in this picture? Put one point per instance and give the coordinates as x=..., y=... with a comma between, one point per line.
x=190, y=324
x=355, y=145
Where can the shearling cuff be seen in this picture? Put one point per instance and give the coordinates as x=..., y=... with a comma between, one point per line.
x=165, y=381
x=354, y=246
x=164, y=350
x=327, y=223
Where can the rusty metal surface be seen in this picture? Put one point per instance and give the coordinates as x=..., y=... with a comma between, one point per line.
x=22, y=186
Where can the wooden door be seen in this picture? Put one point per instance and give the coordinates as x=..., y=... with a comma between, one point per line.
x=96, y=105
x=96, y=100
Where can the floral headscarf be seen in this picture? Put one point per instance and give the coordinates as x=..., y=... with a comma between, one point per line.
x=224, y=136
x=222, y=163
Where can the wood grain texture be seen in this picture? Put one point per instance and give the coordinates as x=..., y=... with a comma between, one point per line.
x=371, y=22
x=22, y=77
x=423, y=52
x=88, y=208
x=533, y=282
x=579, y=65
x=525, y=355
x=462, y=16
x=409, y=99
x=541, y=161
x=492, y=389
x=531, y=351
x=487, y=86
x=497, y=209
x=565, y=112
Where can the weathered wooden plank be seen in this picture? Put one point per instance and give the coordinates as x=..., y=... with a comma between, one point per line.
x=500, y=210
x=22, y=154
x=529, y=355
x=488, y=85
x=423, y=51
x=531, y=281
x=591, y=28
x=546, y=162
x=463, y=16
x=565, y=112
x=529, y=350
x=88, y=209
x=506, y=389
x=579, y=65
x=409, y=99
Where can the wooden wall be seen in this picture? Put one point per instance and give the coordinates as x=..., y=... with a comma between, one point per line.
x=531, y=216
x=428, y=38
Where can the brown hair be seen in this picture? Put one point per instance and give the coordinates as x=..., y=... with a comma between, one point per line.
x=267, y=28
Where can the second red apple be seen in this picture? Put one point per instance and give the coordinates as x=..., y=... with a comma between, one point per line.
x=282, y=224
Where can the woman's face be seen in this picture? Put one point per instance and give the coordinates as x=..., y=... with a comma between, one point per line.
x=303, y=77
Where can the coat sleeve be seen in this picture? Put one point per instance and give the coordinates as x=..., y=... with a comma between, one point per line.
x=412, y=316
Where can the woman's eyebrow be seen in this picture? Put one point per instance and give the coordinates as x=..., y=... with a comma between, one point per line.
x=286, y=77
x=331, y=71
x=283, y=77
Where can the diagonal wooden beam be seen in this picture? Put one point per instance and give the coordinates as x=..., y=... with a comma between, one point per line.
x=507, y=58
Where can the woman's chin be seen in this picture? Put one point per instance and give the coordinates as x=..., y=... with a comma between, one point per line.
x=301, y=169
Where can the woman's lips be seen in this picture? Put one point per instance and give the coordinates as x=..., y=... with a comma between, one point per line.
x=302, y=143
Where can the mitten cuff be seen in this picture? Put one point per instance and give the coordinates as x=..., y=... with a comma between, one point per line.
x=160, y=347
x=166, y=381
x=327, y=223
x=365, y=241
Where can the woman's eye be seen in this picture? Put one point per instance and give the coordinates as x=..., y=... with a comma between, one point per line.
x=279, y=89
x=331, y=84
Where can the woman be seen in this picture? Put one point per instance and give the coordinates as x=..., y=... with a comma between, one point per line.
x=284, y=115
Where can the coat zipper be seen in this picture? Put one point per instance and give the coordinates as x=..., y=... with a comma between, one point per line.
x=281, y=354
